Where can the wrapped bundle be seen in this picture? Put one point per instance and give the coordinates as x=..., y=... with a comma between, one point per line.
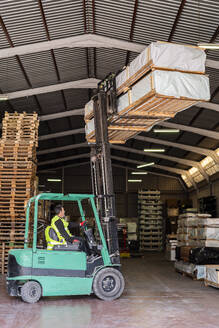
x=163, y=55
x=164, y=79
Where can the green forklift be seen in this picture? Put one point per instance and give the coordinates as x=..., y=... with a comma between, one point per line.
x=66, y=270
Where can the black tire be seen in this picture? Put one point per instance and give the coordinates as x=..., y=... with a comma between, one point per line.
x=108, y=284
x=31, y=292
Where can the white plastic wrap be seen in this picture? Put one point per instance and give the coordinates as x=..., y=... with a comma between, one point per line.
x=89, y=108
x=214, y=223
x=140, y=61
x=191, y=222
x=122, y=102
x=176, y=56
x=177, y=84
x=200, y=271
x=170, y=56
x=212, y=274
x=121, y=78
x=142, y=87
x=169, y=84
x=185, y=267
x=208, y=233
x=207, y=243
x=89, y=128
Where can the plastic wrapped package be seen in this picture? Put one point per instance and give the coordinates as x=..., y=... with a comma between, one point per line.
x=191, y=222
x=200, y=272
x=89, y=110
x=178, y=57
x=168, y=56
x=208, y=233
x=185, y=267
x=212, y=275
x=175, y=85
x=209, y=222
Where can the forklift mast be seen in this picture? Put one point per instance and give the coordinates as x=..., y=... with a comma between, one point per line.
x=105, y=104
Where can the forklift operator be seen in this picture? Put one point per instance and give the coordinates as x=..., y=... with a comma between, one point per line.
x=58, y=232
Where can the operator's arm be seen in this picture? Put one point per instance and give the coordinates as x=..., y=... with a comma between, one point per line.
x=64, y=234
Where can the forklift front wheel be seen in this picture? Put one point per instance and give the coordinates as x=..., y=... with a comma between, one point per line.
x=31, y=292
x=108, y=284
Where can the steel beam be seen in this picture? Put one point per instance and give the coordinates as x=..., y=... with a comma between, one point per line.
x=63, y=148
x=61, y=134
x=73, y=112
x=183, y=2
x=198, y=150
x=82, y=41
x=206, y=133
x=87, y=40
x=64, y=166
x=169, y=158
x=63, y=159
x=162, y=167
x=89, y=83
x=208, y=105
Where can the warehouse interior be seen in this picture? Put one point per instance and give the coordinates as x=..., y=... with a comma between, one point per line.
x=53, y=54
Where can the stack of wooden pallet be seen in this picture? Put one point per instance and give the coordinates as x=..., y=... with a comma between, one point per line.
x=17, y=177
x=164, y=79
x=150, y=220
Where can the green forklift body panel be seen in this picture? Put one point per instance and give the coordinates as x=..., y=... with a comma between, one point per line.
x=58, y=272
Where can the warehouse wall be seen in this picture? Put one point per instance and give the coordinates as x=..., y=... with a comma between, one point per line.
x=77, y=180
x=204, y=190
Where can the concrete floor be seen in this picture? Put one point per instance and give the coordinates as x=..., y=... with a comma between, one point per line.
x=155, y=296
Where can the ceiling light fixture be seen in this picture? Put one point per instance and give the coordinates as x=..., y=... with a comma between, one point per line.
x=143, y=165
x=208, y=45
x=132, y=180
x=154, y=150
x=54, y=180
x=166, y=130
x=3, y=97
x=143, y=173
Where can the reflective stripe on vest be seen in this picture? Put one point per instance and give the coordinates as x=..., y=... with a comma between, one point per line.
x=65, y=223
x=50, y=242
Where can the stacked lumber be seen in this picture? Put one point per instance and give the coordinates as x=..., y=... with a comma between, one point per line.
x=198, y=241
x=17, y=177
x=198, y=230
x=163, y=80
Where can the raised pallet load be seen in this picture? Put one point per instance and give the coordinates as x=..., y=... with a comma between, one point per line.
x=17, y=178
x=150, y=210
x=163, y=80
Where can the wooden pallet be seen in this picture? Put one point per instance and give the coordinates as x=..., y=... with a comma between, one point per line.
x=4, y=249
x=186, y=274
x=17, y=152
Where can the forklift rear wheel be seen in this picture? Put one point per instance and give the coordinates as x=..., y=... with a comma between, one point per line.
x=108, y=284
x=31, y=292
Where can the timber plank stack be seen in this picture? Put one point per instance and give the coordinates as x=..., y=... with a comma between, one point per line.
x=17, y=176
x=164, y=79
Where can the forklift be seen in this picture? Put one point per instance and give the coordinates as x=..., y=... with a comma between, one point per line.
x=66, y=270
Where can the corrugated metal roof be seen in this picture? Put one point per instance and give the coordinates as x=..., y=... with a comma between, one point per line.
x=23, y=21
x=65, y=18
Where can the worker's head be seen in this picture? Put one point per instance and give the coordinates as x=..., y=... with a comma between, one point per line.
x=59, y=210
